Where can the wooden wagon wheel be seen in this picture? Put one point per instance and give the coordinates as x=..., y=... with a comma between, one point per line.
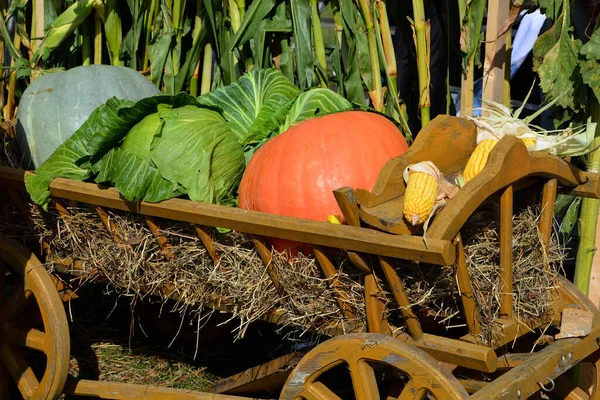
x=24, y=285
x=370, y=360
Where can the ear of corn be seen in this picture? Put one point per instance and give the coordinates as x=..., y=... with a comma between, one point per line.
x=64, y=25
x=478, y=159
x=419, y=198
x=529, y=142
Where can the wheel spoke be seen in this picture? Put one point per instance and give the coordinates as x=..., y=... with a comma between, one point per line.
x=30, y=338
x=16, y=302
x=19, y=369
x=412, y=391
x=318, y=391
x=363, y=380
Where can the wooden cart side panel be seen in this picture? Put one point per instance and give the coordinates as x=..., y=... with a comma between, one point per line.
x=253, y=222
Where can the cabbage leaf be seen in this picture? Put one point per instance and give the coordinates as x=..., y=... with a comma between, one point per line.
x=250, y=104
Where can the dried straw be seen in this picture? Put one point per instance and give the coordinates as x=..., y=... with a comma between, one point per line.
x=238, y=282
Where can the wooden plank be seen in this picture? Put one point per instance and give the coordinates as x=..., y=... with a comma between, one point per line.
x=495, y=51
x=547, y=217
x=550, y=362
x=129, y=391
x=440, y=252
x=397, y=288
x=267, y=377
x=455, y=352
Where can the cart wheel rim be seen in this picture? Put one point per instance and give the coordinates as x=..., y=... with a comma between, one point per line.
x=358, y=351
x=53, y=341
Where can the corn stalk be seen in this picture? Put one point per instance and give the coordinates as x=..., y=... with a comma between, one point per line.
x=588, y=217
x=376, y=92
x=421, y=28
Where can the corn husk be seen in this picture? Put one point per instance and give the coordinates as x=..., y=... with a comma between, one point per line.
x=500, y=121
x=64, y=25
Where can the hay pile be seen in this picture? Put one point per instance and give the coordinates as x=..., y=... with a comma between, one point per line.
x=239, y=282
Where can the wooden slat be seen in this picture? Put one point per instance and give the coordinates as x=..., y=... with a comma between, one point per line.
x=204, y=234
x=331, y=274
x=165, y=246
x=440, y=252
x=506, y=230
x=267, y=258
x=397, y=288
x=112, y=229
x=547, y=217
x=466, y=290
x=374, y=307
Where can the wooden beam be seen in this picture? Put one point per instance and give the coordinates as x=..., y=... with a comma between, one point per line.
x=495, y=51
x=440, y=252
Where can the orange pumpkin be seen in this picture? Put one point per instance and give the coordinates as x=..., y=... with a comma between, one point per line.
x=295, y=173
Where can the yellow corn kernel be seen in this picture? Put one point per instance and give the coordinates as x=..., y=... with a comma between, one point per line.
x=419, y=198
x=478, y=159
x=529, y=142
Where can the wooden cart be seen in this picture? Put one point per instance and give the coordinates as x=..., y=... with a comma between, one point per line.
x=385, y=362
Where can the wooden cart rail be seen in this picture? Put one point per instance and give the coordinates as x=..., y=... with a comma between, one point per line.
x=440, y=252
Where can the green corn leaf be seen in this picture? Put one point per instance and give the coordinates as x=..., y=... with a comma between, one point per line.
x=562, y=200
x=192, y=57
x=15, y=4
x=158, y=52
x=355, y=33
x=50, y=13
x=255, y=15
x=474, y=20
x=286, y=60
x=301, y=14
x=353, y=83
x=570, y=219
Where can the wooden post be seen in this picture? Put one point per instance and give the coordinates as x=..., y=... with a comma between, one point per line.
x=495, y=51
